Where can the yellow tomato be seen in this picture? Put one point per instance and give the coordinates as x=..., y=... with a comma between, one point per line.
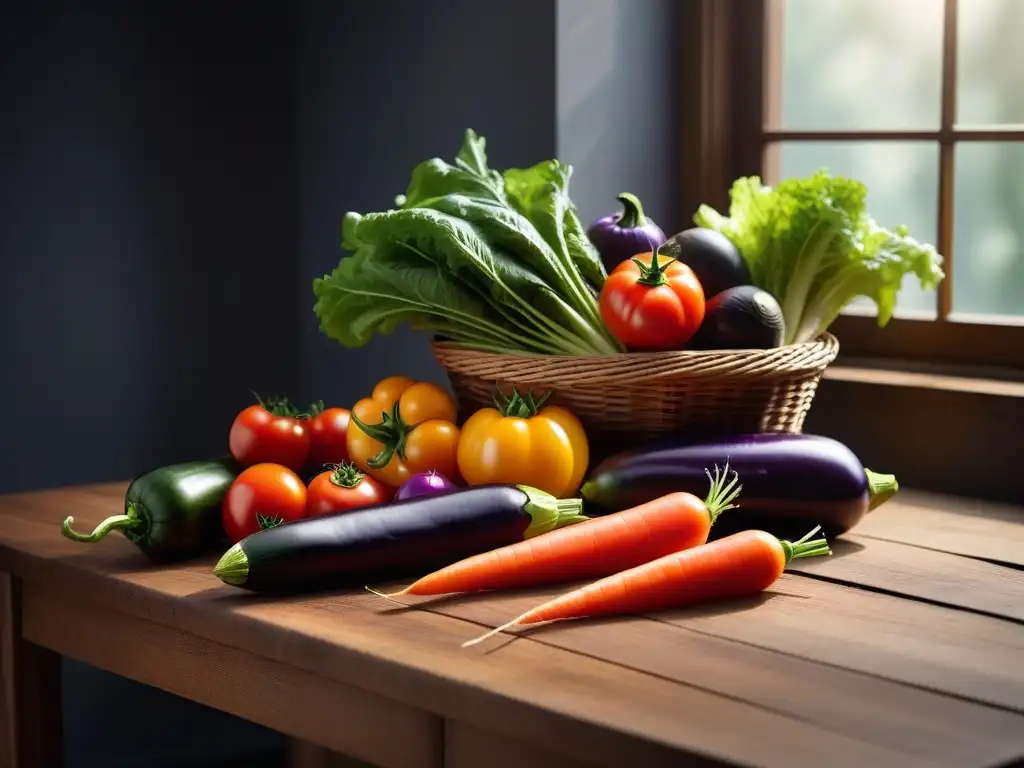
x=404, y=427
x=545, y=447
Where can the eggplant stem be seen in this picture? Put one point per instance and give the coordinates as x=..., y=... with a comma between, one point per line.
x=632, y=211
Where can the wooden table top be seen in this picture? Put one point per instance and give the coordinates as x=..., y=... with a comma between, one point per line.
x=906, y=648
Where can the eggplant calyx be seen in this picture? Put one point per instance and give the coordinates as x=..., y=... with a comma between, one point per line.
x=653, y=274
x=547, y=513
x=881, y=488
x=233, y=567
x=632, y=215
x=723, y=491
x=346, y=475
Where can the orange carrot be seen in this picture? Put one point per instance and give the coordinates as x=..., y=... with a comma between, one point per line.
x=589, y=550
x=742, y=564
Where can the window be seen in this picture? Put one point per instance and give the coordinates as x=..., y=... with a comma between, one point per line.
x=923, y=100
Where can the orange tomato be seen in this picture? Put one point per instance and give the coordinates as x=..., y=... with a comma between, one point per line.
x=404, y=427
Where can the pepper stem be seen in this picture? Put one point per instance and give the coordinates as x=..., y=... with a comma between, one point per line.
x=346, y=475
x=722, y=494
x=805, y=547
x=652, y=274
x=632, y=211
x=880, y=488
x=114, y=523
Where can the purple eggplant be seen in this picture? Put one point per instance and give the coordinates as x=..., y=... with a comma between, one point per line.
x=392, y=541
x=621, y=236
x=424, y=484
x=789, y=481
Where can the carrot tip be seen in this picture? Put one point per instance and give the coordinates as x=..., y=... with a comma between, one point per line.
x=388, y=596
x=491, y=633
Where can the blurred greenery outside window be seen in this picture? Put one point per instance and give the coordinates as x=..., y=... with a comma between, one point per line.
x=873, y=72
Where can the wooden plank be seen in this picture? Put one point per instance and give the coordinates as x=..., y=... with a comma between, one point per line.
x=469, y=747
x=922, y=574
x=30, y=709
x=342, y=718
x=978, y=529
x=539, y=695
x=928, y=725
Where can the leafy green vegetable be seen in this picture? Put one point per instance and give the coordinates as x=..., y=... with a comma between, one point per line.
x=469, y=255
x=811, y=242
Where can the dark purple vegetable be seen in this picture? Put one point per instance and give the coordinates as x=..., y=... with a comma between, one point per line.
x=392, y=541
x=621, y=236
x=424, y=484
x=744, y=317
x=714, y=259
x=789, y=481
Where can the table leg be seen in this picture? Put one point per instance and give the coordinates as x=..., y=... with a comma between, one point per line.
x=30, y=708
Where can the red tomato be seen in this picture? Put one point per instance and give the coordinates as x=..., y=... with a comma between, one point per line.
x=344, y=488
x=328, y=432
x=260, y=436
x=263, y=496
x=652, y=307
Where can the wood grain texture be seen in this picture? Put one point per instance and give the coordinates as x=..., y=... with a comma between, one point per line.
x=30, y=710
x=928, y=725
x=948, y=524
x=555, y=700
x=344, y=719
x=922, y=574
x=818, y=668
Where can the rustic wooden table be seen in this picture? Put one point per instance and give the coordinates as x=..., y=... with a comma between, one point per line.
x=904, y=649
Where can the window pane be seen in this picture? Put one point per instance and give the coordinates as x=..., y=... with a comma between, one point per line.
x=861, y=64
x=988, y=242
x=990, y=62
x=903, y=181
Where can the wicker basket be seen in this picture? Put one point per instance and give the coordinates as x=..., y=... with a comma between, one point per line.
x=626, y=399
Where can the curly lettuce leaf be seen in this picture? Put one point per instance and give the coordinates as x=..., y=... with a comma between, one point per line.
x=811, y=243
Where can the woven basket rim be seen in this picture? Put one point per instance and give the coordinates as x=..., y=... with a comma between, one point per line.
x=590, y=371
x=826, y=341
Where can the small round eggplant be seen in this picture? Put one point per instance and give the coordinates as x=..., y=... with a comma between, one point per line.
x=712, y=256
x=424, y=484
x=621, y=236
x=744, y=317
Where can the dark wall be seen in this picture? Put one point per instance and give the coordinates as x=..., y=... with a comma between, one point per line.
x=147, y=238
x=379, y=91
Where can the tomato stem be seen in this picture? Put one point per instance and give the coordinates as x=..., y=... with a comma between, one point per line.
x=345, y=475
x=391, y=432
x=265, y=522
x=652, y=274
x=805, y=547
x=519, y=406
x=722, y=494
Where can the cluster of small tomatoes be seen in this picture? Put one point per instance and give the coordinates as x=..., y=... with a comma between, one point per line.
x=395, y=443
x=278, y=448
